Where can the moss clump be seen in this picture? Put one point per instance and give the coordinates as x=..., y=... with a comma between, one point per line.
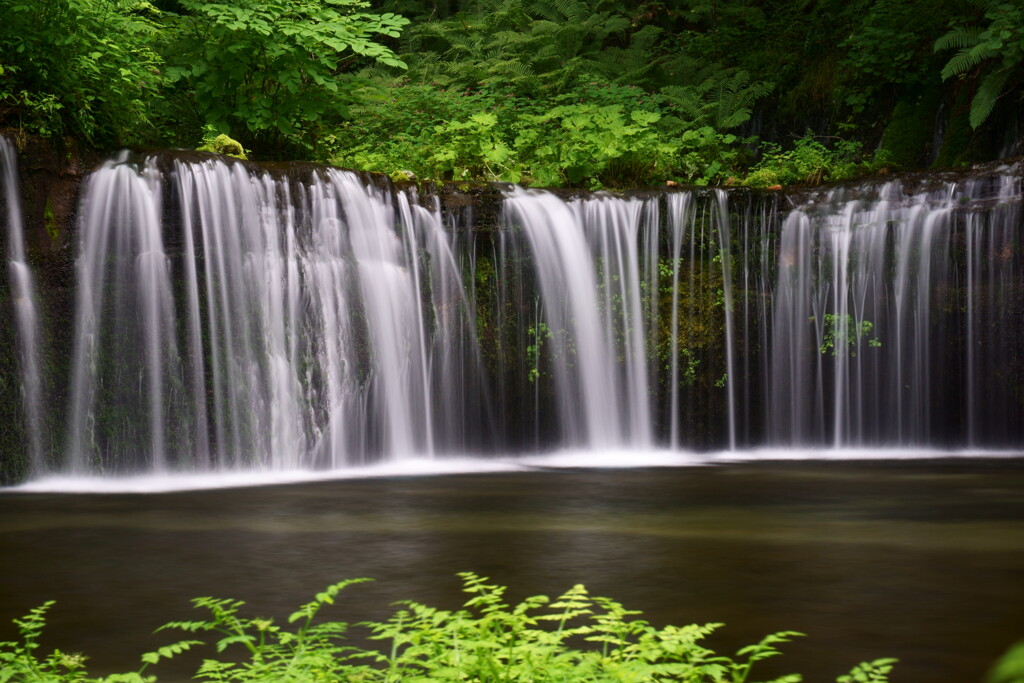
x=50, y=221
x=222, y=144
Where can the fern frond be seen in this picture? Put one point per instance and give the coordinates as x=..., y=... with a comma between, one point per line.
x=985, y=5
x=516, y=70
x=644, y=39
x=574, y=11
x=959, y=38
x=988, y=94
x=965, y=60
x=686, y=98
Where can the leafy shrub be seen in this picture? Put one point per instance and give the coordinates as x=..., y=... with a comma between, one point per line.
x=810, y=162
x=536, y=49
x=596, y=135
x=395, y=128
x=573, y=143
x=576, y=637
x=273, y=72
x=85, y=68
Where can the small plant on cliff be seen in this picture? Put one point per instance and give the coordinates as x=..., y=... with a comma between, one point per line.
x=538, y=334
x=841, y=333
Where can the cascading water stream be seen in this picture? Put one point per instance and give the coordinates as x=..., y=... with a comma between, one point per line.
x=23, y=293
x=993, y=343
x=725, y=256
x=301, y=333
x=125, y=355
x=874, y=282
x=228, y=317
x=587, y=262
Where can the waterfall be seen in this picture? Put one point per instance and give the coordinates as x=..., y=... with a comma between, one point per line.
x=232, y=317
x=885, y=284
x=23, y=295
x=273, y=324
x=586, y=255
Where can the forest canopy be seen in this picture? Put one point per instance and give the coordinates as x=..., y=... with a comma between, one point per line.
x=594, y=93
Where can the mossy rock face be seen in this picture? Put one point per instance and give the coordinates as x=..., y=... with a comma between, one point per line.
x=959, y=144
x=222, y=144
x=908, y=137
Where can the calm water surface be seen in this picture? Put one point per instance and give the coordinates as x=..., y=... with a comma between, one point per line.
x=921, y=560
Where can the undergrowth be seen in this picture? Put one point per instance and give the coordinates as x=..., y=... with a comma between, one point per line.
x=576, y=637
x=811, y=162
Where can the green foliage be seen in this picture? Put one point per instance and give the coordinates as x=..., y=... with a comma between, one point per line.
x=573, y=143
x=723, y=100
x=274, y=71
x=1010, y=667
x=876, y=671
x=532, y=47
x=86, y=68
x=576, y=637
x=567, y=92
x=589, y=93
x=841, y=333
x=809, y=162
x=993, y=53
x=599, y=134
x=596, y=135
x=909, y=137
x=538, y=334
x=312, y=651
x=886, y=56
x=20, y=661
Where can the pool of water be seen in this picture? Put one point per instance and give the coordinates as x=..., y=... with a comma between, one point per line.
x=917, y=559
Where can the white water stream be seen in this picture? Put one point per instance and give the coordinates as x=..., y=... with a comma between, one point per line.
x=23, y=294
x=231, y=319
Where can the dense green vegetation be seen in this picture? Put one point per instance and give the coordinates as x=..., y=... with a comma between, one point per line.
x=576, y=637
x=547, y=92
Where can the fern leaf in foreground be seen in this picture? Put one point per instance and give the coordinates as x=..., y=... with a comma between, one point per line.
x=577, y=637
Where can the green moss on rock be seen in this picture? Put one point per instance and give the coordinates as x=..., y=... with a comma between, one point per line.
x=222, y=144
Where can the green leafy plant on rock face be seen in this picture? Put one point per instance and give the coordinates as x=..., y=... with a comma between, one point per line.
x=811, y=162
x=275, y=71
x=473, y=149
x=538, y=334
x=842, y=333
